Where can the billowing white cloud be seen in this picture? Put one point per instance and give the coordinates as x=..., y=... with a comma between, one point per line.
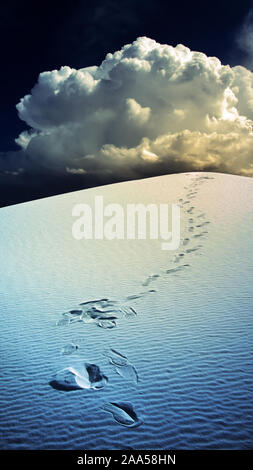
x=147, y=109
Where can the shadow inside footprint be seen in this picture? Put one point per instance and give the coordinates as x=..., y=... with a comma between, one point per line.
x=64, y=381
x=123, y=413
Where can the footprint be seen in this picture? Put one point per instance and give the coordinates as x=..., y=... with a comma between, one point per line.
x=116, y=358
x=99, y=317
x=129, y=312
x=74, y=313
x=186, y=241
x=175, y=270
x=103, y=312
x=122, y=365
x=86, y=376
x=128, y=372
x=198, y=235
x=134, y=297
x=69, y=349
x=140, y=295
x=64, y=380
x=63, y=322
x=107, y=324
x=204, y=223
x=101, y=302
x=206, y=178
x=191, y=250
x=178, y=258
x=151, y=278
x=72, y=316
x=123, y=413
x=96, y=378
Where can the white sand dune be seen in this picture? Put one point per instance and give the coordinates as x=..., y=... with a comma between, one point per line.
x=179, y=363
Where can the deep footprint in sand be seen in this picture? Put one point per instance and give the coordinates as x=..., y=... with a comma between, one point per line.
x=122, y=366
x=64, y=380
x=97, y=380
x=74, y=313
x=106, y=312
x=103, y=312
x=72, y=316
x=123, y=413
x=85, y=376
x=104, y=319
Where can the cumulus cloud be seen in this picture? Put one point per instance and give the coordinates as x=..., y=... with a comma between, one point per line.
x=147, y=109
